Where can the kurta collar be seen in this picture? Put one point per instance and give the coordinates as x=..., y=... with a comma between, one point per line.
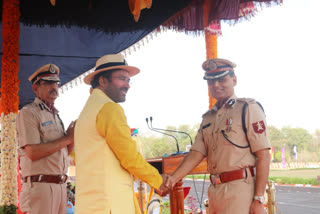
x=100, y=93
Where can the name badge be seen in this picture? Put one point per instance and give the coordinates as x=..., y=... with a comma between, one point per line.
x=47, y=123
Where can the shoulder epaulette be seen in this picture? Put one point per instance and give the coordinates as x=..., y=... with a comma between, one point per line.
x=246, y=100
x=207, y=112
x=244, y=108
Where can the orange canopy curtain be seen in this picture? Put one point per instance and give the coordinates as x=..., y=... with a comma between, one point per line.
x=137, y=5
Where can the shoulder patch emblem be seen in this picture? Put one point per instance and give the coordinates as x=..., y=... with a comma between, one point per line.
x=259, y=127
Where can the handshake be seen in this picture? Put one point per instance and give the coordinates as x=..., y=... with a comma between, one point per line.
x=168, y=183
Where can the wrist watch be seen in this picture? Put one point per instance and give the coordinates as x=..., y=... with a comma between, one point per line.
x=259, y=198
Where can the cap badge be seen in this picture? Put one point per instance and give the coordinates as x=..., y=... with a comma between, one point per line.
x=210, y=65
x=259, y=127
x=52, y=69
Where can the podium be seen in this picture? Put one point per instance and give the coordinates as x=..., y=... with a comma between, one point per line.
x=167, y=165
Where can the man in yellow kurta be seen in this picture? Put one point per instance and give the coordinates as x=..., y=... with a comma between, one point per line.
x=106, y=155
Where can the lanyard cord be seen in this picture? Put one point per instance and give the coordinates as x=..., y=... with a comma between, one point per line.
x=195, y=188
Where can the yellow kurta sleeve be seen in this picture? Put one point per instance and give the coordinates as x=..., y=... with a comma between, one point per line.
x=112, y=124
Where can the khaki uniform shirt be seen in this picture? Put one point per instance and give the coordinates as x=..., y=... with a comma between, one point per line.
x=221, y=138
x=220, y=127
x=36, y=124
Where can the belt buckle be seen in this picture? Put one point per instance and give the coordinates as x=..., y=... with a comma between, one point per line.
x=40, y=178
x=215, y=179
x=63, y=179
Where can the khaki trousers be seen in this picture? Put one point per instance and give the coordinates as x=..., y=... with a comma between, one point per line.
x=49, y=198
x=234, y=197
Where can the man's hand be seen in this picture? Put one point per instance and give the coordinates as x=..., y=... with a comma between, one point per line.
x=163, y=190
x=70, y=136
x=170, y=183
x=256, y=208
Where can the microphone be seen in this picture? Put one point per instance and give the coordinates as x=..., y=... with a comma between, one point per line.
x=168, y=130
x=177, y=144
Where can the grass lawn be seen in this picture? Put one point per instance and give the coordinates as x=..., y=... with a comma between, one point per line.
x=295, y=173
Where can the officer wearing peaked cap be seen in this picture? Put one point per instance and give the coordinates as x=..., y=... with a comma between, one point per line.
x=49, y=72
x=233, y=137
x=43, y=147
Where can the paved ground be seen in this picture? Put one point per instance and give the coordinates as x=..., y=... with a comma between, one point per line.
x=289, y=199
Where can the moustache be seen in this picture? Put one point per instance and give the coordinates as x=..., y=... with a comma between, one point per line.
x=53, y=90
x=124, y=89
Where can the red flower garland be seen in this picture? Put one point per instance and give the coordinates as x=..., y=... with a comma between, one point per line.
x=9, y=102
x=10, y=59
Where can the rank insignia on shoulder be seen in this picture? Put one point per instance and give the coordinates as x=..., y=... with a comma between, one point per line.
x=259, y=127
x=206, y=126
x=231, y=102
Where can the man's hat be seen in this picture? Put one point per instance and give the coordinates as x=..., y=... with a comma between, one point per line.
x=48, y=72
x=108, y=62
x=216, y=68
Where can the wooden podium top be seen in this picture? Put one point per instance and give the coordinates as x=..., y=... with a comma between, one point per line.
x=167, y=165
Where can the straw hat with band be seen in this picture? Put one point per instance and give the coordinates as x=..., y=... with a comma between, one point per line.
x=110, y=62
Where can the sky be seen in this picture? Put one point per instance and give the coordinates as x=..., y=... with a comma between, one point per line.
x=277, y=57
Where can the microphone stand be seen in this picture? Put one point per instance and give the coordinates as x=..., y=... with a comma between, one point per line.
x=178, y=150
x=168, y=130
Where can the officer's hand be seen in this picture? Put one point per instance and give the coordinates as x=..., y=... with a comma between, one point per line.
x=170, y=182
x=256, y=208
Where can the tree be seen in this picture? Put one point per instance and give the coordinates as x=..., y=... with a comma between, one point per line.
x=297, y=137
x=155, y=146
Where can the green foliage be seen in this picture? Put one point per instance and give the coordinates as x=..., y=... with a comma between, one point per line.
x=278, y=156
x=12, y=209
x=297, y=137
x=308, y=145
x=166, y=208
x=154, y=146
x=290, y=180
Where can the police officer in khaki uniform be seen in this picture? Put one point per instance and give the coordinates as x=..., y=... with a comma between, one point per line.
x=43, y=147
x=234, y=139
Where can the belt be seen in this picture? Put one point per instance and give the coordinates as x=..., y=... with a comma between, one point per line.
x=231, y=176
x=56, y=179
